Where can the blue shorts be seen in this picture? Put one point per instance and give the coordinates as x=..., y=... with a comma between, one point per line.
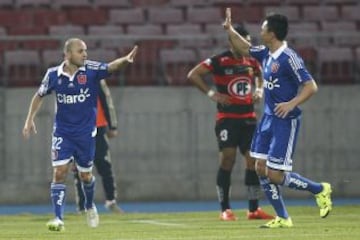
x=274, y=140
x=64, y=149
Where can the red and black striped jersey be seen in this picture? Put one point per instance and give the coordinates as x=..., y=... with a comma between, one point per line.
x=234, y=77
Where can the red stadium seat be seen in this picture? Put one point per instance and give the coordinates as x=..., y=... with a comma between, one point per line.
x=252, y=13
x=176, y=63
x=87, y=16
x=48, y=17
x=189, y=3
x=309, y=55
x=336, y=65
x=22, y=68
x=11, y=17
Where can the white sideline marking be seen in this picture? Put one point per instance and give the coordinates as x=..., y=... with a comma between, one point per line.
x=153, y=222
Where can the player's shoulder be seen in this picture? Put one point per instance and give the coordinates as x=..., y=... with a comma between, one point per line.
x=291, y=53
x=94, y=65
x=52, y=71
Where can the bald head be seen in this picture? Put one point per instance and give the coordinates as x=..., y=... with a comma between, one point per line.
x=71, y=42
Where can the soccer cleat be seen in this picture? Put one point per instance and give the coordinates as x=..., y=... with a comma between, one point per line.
x=258, y=214
x=228, y=215
x=92, y=217
x=113, y=207
x=55, y=225
x=323, y=200
x=278, y=222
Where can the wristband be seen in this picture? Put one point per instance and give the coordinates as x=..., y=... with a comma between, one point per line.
x=210, y=93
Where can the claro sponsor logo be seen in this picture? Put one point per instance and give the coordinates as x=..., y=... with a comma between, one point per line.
x=72, y=99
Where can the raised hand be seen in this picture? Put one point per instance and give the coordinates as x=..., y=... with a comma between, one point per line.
x=227, y=23
x=131, y=55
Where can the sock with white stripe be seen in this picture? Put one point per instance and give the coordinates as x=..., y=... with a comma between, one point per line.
x=89, y=189
x=273, y=194
x=57, y=192
x=298, y=182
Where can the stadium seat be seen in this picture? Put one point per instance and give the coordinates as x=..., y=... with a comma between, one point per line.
x=249, y=13
x=72, y=4
x=165, y=16
x=303, y=2
x=190, y=35
x=87, y=17
x=102, y=55
x=2, y=31
x=350, y=13
x=336, y=65
x=22, y=68
x=291, y=12
x=188, y=3
x=6, y=3
x=342, y=26
x=309, y=55
x=145, y=30
x=148, y=3
x=112, y=3
x=49, y=17
x=32, y=3
x=146, y=70
x=66, y=30
x=126, y=16
x=51, y=58
x=15, y=17
x=346, y=39
x=27, y=30
x=303, y=34
x=266, y=2
x=320, y=13
x=176, y=63
x=202, y=15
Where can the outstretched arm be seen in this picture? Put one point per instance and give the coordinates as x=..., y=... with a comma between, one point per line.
x=118, y=63
x=240, y=44
x=29, y=125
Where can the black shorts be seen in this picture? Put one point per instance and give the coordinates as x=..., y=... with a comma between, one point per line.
x=231, y=132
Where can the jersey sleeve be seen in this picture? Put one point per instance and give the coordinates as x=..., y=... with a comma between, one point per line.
x=258, y=52
x=208, y=64
x=298, y=70
x=100, y=68
x=46, y=86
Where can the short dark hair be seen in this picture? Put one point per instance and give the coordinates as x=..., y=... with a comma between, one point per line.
x=278, y=24
x=240, y=29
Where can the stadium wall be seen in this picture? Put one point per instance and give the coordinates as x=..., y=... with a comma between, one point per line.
x=166, y=149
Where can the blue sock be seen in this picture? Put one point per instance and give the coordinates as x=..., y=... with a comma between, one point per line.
x=274, y=196
x=298, y=182
x=89, y=189
x=57, y=191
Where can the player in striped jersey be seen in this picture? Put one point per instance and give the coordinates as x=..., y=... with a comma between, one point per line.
x=287, y=84
x=75, y=83
x=235, y=77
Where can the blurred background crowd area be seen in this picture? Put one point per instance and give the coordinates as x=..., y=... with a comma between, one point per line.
x=173, y=35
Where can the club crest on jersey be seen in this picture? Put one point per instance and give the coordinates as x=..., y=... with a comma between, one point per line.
x=275, y=67
x=240, y=87
x=81, y=78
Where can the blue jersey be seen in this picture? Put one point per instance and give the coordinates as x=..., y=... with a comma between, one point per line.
x=284, y=71
x=76, y=97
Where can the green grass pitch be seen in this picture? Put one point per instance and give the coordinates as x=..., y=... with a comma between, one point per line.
x=342, y=224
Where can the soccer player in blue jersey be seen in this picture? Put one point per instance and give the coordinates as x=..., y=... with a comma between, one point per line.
x=287, y=84
x=75, y=83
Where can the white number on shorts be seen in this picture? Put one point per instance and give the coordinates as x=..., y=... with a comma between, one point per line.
x=223, y=135
x=56, y=141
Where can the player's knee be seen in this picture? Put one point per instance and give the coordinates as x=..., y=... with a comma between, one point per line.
x=260, y=168
x=276, y=176
x=86, y=177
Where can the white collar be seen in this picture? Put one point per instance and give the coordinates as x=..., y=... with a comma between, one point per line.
x=60, y=70
x=277, y=53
